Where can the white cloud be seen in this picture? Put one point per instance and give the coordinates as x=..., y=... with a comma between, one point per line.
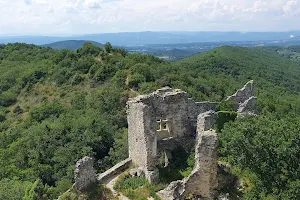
x=95, y=16
x=28, y=2
x=292, y=8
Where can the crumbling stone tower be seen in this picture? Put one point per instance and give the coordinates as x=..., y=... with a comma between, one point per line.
x=161, y=121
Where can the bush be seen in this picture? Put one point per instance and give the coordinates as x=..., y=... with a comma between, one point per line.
x=46, y=110
x=136, y=188
x=180, y=166
x=8, y=98
x=76, y=79
x=18, y=110
x=223, y=117
x=2, y=118
x=226, y=106
x=13, y=189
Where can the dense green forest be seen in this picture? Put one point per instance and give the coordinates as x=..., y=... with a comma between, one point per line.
x=58, y=106
x=290, y=52
x=70, y=44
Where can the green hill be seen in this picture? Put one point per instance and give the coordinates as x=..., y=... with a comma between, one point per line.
x=70, y=44
x=58, y=106
x=173, y=54
x=290, y=52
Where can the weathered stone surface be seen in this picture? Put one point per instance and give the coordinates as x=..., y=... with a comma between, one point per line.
x=167, y=118
x=223, y=197
x=206, y=121
x=115, y=170
x=84, y=173
x=137, y=172
x=244, y=99
x=152, y=176
x=203, y=179
x=174, y=191
x=248, y=107
x=243, y=94
x=157, y=118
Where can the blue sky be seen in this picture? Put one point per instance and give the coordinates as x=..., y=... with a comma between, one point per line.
x=72, y=17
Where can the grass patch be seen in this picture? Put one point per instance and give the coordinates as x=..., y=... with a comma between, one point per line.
x=136, y=188
x=93, y=192
x=180, y=166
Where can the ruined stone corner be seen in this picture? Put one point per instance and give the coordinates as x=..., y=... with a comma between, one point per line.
x=84, y=173
x=244, y=99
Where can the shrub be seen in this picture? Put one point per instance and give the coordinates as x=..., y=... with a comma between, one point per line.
x=226, y=106
x=223, y=117
x=136, y=188
x=46, y=110
x=2, y=118
x=18, y=110
x=8, y=98
x=76, y=79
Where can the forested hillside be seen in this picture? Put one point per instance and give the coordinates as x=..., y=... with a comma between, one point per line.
x=70, y=44
x=291, y=52
x=58, y=106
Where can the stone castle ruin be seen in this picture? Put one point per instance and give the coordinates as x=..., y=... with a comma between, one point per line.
x=166, y=119
x=159, y=122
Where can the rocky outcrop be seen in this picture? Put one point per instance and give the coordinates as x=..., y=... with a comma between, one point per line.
x=244, y=99
x=84, y=173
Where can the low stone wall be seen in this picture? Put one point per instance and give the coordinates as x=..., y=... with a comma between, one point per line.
x=115, y=170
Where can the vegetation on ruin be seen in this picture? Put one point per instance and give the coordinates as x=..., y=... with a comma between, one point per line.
x=180, y=166
x=58, y=106
x=136, y=188
x=94, y=191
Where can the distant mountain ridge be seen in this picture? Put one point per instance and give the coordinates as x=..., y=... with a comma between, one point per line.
x=70, y=44
x=148, y=37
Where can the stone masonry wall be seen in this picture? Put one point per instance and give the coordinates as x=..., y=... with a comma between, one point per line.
x=244, y=99
x=203, y=179
x=163, y=104
x=84, y=173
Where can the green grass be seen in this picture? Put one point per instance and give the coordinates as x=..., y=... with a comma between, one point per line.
x=136, y=188
x=180, y=166
x=93, y=192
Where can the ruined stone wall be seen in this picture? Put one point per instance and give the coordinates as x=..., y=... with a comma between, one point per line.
x=203, y=179
x=165, y=104
x=141, y=137
x=205, y=121
x=244, y=99
x=84, y=173
x=247, y=107
x=143, y=113
x=196, y=108
x=115, y=170
x=182, y=120
x=243, y=94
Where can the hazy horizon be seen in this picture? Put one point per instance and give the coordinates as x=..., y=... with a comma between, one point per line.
x=149, y=31
x=83, y=17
